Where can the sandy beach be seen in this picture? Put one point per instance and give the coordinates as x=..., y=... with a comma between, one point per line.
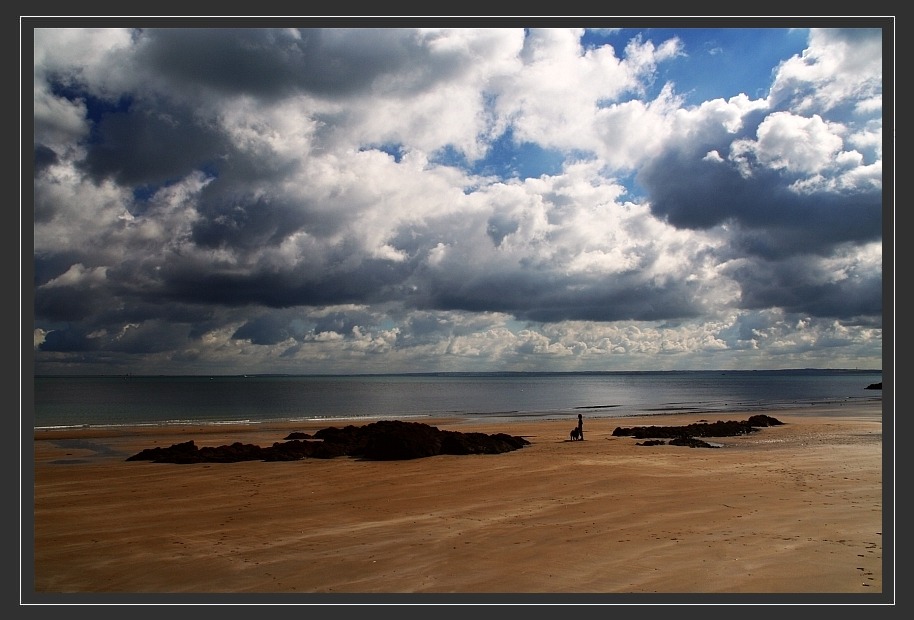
x=791, y=513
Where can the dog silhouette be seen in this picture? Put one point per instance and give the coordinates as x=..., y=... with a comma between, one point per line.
x=575, y=434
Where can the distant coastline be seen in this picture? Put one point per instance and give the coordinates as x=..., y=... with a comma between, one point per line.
x=469, y=373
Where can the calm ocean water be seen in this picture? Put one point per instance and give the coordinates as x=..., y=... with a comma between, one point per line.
x=61, y=402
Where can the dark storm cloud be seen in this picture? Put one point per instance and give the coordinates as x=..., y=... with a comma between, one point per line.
x=151, y=337
x=246, y=222
x=71, y=340
x=692, y=192
x=818, y=228
x=265, y=329
x=297, y=325
x=268, y=63
x=791, y=285
x=44, y=157
x=140, y=146
x=70, y=303
x=363, y=283
x=635, y=303
x=94, y=315
x=779, y=227
x=548, y=298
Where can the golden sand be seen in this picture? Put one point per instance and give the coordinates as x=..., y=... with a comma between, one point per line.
x=789, y=510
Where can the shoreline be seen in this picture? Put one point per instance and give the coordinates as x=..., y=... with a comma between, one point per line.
x=788, y=510
x=824, y=407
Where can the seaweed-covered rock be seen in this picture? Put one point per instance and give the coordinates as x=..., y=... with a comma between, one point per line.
x=720, y=428
x=691, y=442
x=686, y=435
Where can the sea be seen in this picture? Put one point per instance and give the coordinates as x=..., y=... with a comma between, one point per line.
x=62, y=402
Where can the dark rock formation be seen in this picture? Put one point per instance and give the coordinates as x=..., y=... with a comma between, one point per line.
x=685, y=435
x=874, y=386
x=386, y=440
x=691, y=442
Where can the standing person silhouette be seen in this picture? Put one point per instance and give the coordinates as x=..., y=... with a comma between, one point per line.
x=580, y=427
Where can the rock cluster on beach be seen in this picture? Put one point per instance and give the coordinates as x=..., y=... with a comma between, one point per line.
x=688, y=435
x=390, y=440
x=386, y=440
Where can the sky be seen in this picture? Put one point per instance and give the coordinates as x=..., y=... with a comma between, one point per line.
x=216, y=199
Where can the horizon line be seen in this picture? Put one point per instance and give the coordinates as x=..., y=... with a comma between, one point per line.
x=452, y=373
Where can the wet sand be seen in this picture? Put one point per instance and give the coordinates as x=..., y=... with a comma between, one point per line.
x=791, y=513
